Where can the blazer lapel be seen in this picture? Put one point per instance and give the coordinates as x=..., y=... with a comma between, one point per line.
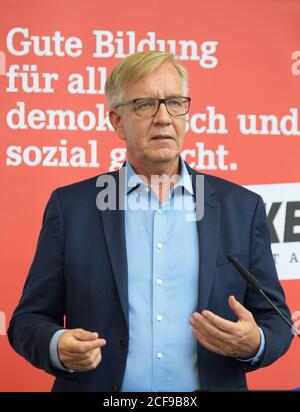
x=114, y=231
x=208, y=233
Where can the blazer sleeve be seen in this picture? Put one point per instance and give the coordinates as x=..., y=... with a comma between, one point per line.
x=40, y=312
x=278, y=334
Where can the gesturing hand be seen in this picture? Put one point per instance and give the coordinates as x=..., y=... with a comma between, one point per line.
x=240, y=339
x=80, y=350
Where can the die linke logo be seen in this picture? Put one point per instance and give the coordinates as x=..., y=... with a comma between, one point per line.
x=282, y=203
x=291, y=221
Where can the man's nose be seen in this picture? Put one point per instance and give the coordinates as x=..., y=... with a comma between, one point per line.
x=162, y=115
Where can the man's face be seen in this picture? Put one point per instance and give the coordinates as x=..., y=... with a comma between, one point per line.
x=158, y=139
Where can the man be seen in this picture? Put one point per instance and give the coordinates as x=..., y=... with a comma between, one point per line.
x=150, y=300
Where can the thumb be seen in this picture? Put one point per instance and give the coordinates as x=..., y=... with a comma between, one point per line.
x=241, y=312
x=84, y=335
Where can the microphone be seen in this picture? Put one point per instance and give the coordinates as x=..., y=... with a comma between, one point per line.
x=250, y=279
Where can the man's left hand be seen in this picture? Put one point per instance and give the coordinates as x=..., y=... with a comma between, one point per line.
x=240, y=339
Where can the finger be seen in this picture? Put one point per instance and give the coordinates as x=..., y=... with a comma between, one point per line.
x=206, y=343
x=84, y=335
x=79, y=356
x=241, y=312
x=211, y=333
x=83, y=347
x=88, y=360
x=87, y=364
x=219, y=323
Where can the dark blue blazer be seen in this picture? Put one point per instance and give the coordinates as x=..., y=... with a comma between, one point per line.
x=79, y=274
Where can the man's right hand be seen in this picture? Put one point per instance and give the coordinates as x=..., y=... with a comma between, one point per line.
x=80, y=350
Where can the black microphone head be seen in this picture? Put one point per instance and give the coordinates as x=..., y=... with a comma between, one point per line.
x=250, y=279
x=231, y=258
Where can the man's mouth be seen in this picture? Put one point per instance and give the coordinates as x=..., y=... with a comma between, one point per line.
x=162, y=137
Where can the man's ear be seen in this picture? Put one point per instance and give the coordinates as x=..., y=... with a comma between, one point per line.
x=117, y=123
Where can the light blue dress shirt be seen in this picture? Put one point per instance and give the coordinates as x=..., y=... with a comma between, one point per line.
x=163, y=273
x=163, y=270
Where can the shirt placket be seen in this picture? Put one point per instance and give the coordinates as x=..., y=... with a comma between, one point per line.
x=159, y=297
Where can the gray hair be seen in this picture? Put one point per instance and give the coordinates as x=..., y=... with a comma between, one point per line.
x=136, y=66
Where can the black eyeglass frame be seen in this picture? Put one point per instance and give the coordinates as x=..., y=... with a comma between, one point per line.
x=160, y=101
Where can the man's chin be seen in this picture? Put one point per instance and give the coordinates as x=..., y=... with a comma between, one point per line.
x=164, y=155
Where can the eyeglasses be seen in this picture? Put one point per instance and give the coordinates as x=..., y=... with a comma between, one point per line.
x=176, y=106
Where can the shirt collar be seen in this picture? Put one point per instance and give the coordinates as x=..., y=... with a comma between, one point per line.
x=133, y=181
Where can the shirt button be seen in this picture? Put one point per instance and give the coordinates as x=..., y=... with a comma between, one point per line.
x=159, y=317
x=159, y=281
x=160, y=211
x=159, y=245
x=147, y=189
x=159, y=355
